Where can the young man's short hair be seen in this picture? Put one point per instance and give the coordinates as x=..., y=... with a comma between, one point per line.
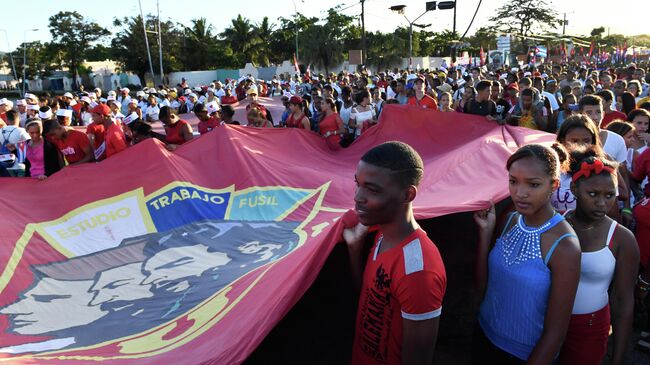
x=590, y=100
x=606, y=95
x=482, y=85
x=404, y=162
x=50, y=125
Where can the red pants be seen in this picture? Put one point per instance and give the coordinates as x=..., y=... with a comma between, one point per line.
x=642, y=233
x=586, y=339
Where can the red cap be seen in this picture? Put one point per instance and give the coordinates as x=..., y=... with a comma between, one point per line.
x=513, y=86
x=101, y=109
x=295, y=100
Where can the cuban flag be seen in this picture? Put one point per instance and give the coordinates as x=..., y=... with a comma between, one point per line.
x=21, y=151
x=541, y=51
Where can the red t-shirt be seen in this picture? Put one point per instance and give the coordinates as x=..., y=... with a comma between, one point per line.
x=641, y=169
x=115, y=140
x=426, y=102
x=608, y=118
x=208, y=125
x=406, y=282
x=98, y=131
x=225, y=100
x=72, y=147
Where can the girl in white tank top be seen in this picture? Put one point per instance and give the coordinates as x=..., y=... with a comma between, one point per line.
x=610, y=258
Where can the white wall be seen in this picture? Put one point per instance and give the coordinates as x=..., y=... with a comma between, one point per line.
x=193, y=77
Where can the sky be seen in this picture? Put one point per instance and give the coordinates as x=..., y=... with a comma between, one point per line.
x=378, y=16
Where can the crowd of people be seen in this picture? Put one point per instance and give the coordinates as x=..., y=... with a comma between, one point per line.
x=581, y=224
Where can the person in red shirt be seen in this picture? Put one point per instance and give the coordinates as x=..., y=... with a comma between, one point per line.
x=208, y=117
x=254, y=103
x=609, y=114
x=114, y=139
x=404, y=280
x=177, y=131
x=229, y=98
x=420, y=98
x=297, y=117
x=95, y=132
x=74, y=145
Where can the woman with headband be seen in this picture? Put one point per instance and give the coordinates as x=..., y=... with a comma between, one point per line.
x=42, y=158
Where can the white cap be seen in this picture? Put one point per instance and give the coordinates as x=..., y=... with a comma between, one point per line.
x=151, y=91
x=64, y=113
x=30, y=96
x=545, y=76
x=140, y=93
x=93, y=104
x=460, y=82
x=103, y=100
x=110, y=98
x=4, y=101
x=134, y=101
x=117, y=103
x=188, y=91
x=73, y=102
x=125, y=89
x=213, y=107
x=527, y=73
x=21, y=102
x=193, y=95
x=503, y=76
x=45, y=115
x=68, y=95
x=198, y=88
x=111, y=93
x=97, y=89
x=86, y=99
x=32, y=107
x=130, y=118
x=92, y=95
x=162, y=92
x=211, y=90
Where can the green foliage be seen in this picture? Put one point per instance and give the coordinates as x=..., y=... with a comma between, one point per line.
x=325, y=43
x=524, y=17
x=72, y=35
x=131, y=51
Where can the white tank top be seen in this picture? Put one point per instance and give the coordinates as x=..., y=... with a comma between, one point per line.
x=596, y=273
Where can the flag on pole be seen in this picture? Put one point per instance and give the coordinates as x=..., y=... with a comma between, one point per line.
x=295, y=64
x=591, y=49
x=541, y=51
x=482, y=55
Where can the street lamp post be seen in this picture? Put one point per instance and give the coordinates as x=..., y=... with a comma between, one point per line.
x=25, y=57
x=11, y=55
x=295, y=23
x=430, y=6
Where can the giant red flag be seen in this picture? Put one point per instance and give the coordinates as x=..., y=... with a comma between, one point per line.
x=192, y=256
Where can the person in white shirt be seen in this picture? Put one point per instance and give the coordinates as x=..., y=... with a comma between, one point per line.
x=10, y=135
x=218, y=90
x=124, y=100
x=152, y=110
x=22, y=111
x=163, y=98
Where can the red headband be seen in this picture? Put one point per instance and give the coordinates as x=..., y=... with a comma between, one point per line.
x=586, y=168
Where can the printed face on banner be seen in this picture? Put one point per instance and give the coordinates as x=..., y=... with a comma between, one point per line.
x=122, y=269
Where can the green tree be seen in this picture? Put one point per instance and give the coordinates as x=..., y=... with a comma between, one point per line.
x=99, y=52
x=484, y=37
x=264, y=33
x=131, y=51
x=199, y=46
x=324, y=44
x=282, y=45
x=74, y=34
x=242, y=38
x=523, y=17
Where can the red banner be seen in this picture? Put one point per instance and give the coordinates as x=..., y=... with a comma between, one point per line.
x=154, y=257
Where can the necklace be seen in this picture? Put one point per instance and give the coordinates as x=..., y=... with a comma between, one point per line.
x=586, y=228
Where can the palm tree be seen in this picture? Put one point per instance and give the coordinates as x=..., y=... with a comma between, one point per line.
x=264, y=32
x=200, y=44
x=243, y=39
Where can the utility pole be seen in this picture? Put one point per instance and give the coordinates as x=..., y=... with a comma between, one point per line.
x=146, y=42
x=564, y=25
x=363, y=33
x=162, y=74
x=453, y=49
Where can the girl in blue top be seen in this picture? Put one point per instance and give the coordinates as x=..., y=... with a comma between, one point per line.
x=528, y=280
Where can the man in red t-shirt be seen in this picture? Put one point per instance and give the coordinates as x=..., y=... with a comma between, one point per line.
x=420, y=98
x=609, y=114
x=404, y=279
x=73, y=144
x=114, y=139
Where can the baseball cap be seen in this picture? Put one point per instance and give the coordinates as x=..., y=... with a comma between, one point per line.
x=101, y=109
x=295, y=100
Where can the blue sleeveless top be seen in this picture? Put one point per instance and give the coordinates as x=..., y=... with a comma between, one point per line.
x=519, y=282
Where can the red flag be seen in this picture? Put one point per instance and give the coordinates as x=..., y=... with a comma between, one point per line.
x=295, y=64
x=482, y=55
x=591, y=49
x=245, y=226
